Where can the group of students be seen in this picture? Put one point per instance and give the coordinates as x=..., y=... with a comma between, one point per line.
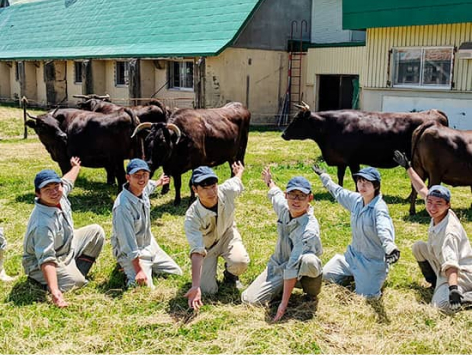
x=59, y=257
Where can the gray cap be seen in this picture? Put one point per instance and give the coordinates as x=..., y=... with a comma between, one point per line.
x=440, y=191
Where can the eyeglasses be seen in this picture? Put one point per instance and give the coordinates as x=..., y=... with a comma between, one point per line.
x=299, y=197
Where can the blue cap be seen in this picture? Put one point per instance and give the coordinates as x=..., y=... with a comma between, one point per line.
x=45, y=177
x=440, y=191
x=299, y=183
x=135, y=165
x=201, y=174
x=369, y=173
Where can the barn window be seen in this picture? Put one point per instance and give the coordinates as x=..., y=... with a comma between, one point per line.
x=17, y=71
x=77, y=72
x=181, y=75
x=427, y=67
x=121, y=73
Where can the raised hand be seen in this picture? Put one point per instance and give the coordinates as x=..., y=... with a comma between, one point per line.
x=401, y=159
x=318, y=170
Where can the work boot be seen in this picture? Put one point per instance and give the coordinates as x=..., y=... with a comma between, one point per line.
x=428, y=272
x=3, y=275
x=311, y=285
x=84, y=264
x=232, y=280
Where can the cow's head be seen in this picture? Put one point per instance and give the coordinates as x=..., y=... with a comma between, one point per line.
x=47, y=127
x=301, y=125
x=159, y=143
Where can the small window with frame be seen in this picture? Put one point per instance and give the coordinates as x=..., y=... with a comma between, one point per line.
x=121, y=73
x=77, y=72
x=181, y=75
x=423, y=67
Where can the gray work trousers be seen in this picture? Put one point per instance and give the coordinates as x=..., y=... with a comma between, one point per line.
x=86, y=241
x=265, y=288
x=230, y=247
x=441, y=292
x=161, y=262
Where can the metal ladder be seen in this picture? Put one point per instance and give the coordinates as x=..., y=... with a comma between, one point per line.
x=294, y=94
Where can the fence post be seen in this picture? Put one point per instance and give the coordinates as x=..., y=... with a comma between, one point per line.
x=24, y=101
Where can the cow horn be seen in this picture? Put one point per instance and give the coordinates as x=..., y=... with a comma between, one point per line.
x=176, y=129
x=31, y=116
x=140, y=127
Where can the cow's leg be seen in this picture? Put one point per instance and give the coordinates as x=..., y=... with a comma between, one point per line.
x=65, y=166
x=354, y=169
x=341, y=172
x=422, y=174
x=110, y=174
x=177, y=186
x=192, y=193
x=230, y=163
x=166, y=187
x=120, y=174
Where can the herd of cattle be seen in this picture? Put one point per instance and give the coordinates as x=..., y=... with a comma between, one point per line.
x=103, y=134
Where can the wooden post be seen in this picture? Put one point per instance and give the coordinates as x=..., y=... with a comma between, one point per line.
x=24, y=101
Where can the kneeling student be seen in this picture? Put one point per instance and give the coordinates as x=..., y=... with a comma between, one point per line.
x=3, y=245
x=134, y=245
x=212, y=233
x=297, y=253
x=445, y=259
x=54, y=253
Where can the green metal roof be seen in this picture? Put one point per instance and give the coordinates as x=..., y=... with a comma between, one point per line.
x=362, y=14
x=53, y=29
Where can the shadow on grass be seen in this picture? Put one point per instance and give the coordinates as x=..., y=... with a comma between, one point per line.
x=115, y=286
x=379, y=308
x=26, y=292
x=423, y=294
x=178, y=306
x=158, y=211
x=300, y=307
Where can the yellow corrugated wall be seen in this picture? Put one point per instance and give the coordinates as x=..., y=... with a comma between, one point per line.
x=334, y=60
x=381, y=40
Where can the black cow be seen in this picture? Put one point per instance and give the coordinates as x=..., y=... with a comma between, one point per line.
x=99, y=140
x=154, y=111
x=196, y=137
x=348, y=138
x=441, y=154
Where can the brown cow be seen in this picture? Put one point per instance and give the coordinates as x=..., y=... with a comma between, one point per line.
x=192, y=138
x=351, y=137
x=441, y=154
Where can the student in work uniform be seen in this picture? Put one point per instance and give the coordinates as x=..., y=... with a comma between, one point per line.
x=211, y=232
x=372, y=250
x=134, y=245
x=296, y=259
x=445, y=260
x=54, y=253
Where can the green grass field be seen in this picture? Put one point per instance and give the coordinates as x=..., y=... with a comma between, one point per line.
x=103, y=317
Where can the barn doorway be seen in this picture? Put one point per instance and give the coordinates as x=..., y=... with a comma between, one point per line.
x=337, y=92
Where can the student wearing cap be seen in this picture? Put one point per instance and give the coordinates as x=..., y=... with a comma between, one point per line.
x=54, y=253
x=445, y=260
x=3, y=245
x=372, y=249
x=211, y=232
x=296, y=259
x=134, y=245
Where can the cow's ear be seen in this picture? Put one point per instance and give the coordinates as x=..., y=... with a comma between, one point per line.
x=60, y=118
x=31, y=123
